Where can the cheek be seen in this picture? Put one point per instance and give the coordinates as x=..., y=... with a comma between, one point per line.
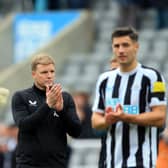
x=39, y=78
x=115, y=51
x=134, y=52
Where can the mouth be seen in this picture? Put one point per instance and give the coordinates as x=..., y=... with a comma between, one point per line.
x=122, y=57
x=49, y=83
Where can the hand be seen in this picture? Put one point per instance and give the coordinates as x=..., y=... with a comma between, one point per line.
x=109, y=118
x=50, y=95
x=119, y=111
x=3, y=148
x=54, y=97
x=59, y=102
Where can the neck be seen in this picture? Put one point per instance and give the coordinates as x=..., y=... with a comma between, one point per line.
x=128, y=67
x=40, y=87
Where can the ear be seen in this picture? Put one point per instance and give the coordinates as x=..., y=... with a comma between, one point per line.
x=33, y=74
x=137, y=45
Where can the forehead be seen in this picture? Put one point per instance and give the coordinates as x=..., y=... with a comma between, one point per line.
x=122, y=39
x=45, y=66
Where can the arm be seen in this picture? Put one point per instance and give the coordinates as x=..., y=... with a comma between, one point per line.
x=98, y=121
x=156, y=117
x=25, y=119
x=103, y=121
x=69, y=116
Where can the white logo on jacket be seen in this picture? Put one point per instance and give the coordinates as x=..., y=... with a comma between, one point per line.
x=32, y=103
x=55, y=114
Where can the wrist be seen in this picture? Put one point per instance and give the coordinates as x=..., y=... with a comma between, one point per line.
x=58, y=109
x=49, y=105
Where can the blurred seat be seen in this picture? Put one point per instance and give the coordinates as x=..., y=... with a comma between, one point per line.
x=85, y=153
x=162, y=34
x=147, y=34
x=72, y=69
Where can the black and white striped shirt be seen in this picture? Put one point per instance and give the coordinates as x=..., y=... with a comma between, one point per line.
x=129, y=145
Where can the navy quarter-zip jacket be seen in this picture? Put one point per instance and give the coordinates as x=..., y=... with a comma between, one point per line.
x=42, y=137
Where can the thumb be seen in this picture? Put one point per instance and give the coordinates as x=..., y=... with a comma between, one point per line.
x=119, y=107
x=47, y=88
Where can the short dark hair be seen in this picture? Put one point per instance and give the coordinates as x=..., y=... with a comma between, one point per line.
x=125, y=31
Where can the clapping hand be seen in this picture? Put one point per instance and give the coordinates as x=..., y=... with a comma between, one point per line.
x=112, y=116
x=54, y=97
x=109, y=116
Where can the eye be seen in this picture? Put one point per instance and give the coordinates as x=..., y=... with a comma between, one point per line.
x=43, y=72
x=116, y=45
x=126, y=45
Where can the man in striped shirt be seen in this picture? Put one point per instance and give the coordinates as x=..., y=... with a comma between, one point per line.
x=130, y=103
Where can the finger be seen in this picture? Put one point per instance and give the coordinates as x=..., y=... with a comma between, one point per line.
x=119, y=107
x=54, y=92
x=108, y=115
x=59, y=98
x=58, y=88
x=109, y=109
x=58, y=92
x=47, y=88
x=109, y=120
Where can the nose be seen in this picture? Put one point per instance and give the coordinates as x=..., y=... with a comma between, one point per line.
x=49, y=75
x=121, y=48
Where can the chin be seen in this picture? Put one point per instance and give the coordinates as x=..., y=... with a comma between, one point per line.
x=123, y=63
x=49, y=83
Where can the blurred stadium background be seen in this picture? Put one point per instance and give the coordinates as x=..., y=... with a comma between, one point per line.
x=80, y=41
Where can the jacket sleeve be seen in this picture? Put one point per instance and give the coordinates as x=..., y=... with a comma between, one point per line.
x=69, y=116
x=25, y=120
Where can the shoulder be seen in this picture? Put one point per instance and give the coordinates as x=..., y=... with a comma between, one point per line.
x=68, y=99
x=149, y=69
x=106, y=75
x=66, y=95
x=24, y=92
x=151, y=73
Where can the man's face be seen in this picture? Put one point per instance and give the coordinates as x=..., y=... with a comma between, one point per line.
x=125, y=50
x=44, y=75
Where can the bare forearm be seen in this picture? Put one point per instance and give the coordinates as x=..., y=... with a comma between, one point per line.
x=99, y=122
x=145, y=119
